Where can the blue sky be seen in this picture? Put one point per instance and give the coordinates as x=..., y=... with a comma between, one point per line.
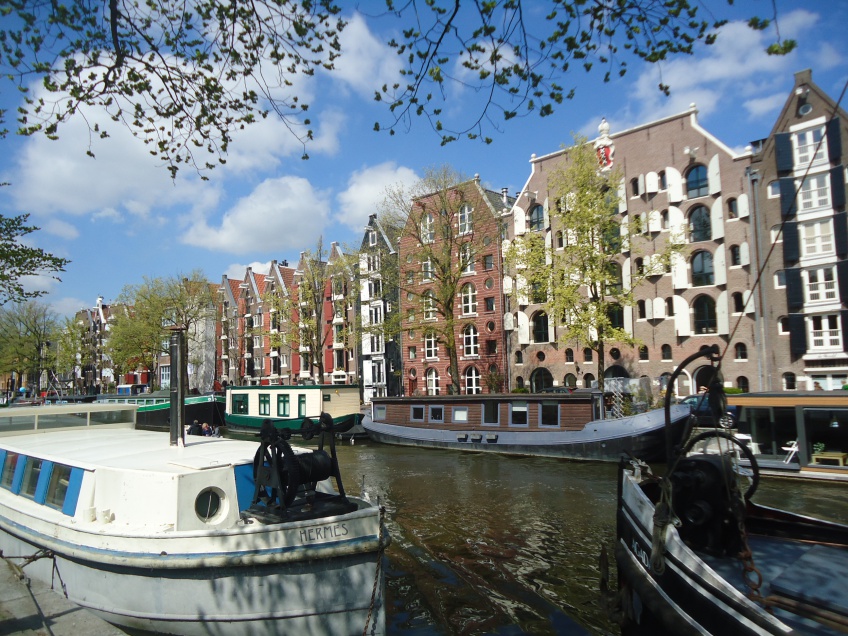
x=120, y=217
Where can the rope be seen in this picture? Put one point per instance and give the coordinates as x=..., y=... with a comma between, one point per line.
x=380, y=551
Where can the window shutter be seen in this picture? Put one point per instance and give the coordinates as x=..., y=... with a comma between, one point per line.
x=548, y=247
x=649, y=308
x=654, y=221
x=652, y=182
x=720, y=266
x=627, y=314
x=834, y=140
x=840, y=233
x=744, y=254
x=794, y=289
x=742, y=206
x=717, y=218
x=783, y=152
x=722, y=314
x=641, y=181
x=659, y=307
x=797, y=335
x=842, y=279
x=679, y=271
x=837, y=186
x=748, y=300
x=682, y=322
x=547, y=214
x=787, y=196
x=714, y=175
x=519, y=219
x=508, y=323
x=675, y=185
x=523, y=328
x=791, y=246
x=622, y=196
x=675, y=222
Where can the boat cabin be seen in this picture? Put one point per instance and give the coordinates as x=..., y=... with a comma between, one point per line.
x=287, y=405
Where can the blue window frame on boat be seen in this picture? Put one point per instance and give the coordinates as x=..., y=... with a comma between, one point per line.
x=549, y=413
x=518, y=412
x=459, y=414
x=283, y=405
x=301, y=405
x=380, y=413
x=10, y=463
x=416, y=413
x=437, y=414
x=264, y=404
x=491, y=413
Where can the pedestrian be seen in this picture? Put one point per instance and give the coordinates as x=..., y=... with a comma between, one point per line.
x=207, y=430
x=817, y=387
x=195, y=429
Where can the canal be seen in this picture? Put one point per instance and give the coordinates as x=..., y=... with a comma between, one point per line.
x=489, y=544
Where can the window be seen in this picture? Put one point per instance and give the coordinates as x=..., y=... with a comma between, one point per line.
x=640, y=309
x=264, y=404
x=697, y=184
x=664, y=219
x=732, y=209
x=742, y=383
x=789, y=382
x=735, y=256
x=549, y=413
x=429, y=305
x=301, y=405
x=412, y=353
x=490, y=303
x=825, y=332
x=560, y=241
x=588, y=380
x=465, y=219
x=431, y=346
x=491, y=412
x=783, y=325
x=432, y=378
x=426, y=270
x=489, y=262
x=821, y=284
x=643, y=353
x=240, y=404
x=282, y=405
x=705, y=315
x=807, y=149
x=538, y=293
x=469, y=341
x=518, y=413
x=519, y=357
x=469, y=299
x=587, y=355
x=702, y=269
x=738, y=303
x=780, y=279
x=372, y=237
x=519, y=382
x=437, y=414
x=472, y=381
x=428, y=228
x=669, y=306
x=491, y=347
x=815, y=192
x=60, y=477
x=537, y=218
x=665, y=352
x=773, y=191
x=570, y=380
x=569, y=355
x=640, y=266
x=615, y=313
x=741, y=351
x=32, y=470
x=616, y=280
x=466, y=258
x=540, y=327
x=700, y=226
x=816, y=238
x=634, y=187
x=663, y=180
x=416, y=413
x=459, y=414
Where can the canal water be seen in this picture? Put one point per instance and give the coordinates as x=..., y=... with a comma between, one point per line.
x=489, y=544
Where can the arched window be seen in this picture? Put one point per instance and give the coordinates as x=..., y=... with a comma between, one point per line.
x=587, y=355
x=640, y=266
x=570, y=380
x=560, y=242
x=665, y=378
x=735, y=255
x=472, y=381
x=540, y=380
x=540, y=327
x=429, y=305
x=738, y=303
x=732, y=209
x=465, y=219
x=704, y=309
x=700, y=225
x=634, y=187
x=428, y=228
x=669, y=306
x=664, y=219
x=742, y=383
x=702, y=269
x=432, y=377
x=616, y=281
x=697, y=183
x=537, y=218
x=469, y=299
x=741, y=351
x=663, y=181
x=640, y=309
x=469, y=340
x=588, y=379
x=789, y=382
x=519, y=382
x=519, y=357
x=643, y=353
x=615, y=313
x=569, y=355
x=666, y=352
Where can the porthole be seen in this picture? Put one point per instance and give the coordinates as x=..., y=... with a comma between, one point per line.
x=489, y=283
x=615, y=354
x=540, y=356
x=490, y=326
x=208, y=504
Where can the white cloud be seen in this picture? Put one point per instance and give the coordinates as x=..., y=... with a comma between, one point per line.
x=281, y=213
x=68, y=306
x=764, y=106
x=366, y=63
x=366, y=188
x=60, y=228
x=236, y=271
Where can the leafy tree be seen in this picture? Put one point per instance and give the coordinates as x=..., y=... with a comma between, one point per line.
x=70, y=341
x=26, y=330
x=583, y=286
x=18, y=260
x=437, y=251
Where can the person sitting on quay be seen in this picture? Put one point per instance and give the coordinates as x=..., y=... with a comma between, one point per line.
x=207, y=430
x=195, y=428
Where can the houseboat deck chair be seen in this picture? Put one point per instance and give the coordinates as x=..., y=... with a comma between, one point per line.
x=791, y=449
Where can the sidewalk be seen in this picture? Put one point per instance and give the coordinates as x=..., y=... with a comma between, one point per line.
x=33, y=609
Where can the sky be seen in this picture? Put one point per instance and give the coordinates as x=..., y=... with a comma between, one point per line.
x=119, y=217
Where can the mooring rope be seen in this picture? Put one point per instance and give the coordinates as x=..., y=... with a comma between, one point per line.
x=381, y=548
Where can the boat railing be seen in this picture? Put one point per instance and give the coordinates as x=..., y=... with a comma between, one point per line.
x=63, y=416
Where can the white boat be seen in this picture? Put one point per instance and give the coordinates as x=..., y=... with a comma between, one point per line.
x=179, y=539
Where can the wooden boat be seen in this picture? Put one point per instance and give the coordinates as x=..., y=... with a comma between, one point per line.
x=154, y=409
x=287, y=406
x=206, y=536
x=569, y=425
x=696, y=555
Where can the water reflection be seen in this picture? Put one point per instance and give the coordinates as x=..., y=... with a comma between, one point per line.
x=487, y=544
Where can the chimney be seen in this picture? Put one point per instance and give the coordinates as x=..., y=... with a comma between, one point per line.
x=504, y=194
x=285, y=263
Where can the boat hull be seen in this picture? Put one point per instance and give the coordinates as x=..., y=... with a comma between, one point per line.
x=253, y=424
x=641, y=435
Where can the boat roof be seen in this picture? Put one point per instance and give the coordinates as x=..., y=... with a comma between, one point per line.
x=129, y=449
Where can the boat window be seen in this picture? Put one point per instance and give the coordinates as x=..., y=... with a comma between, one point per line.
x=283, y=405
x=460, y=414
x=264, y=404
x=518, y=413
x=490, y=413
x=380, y=413
x=32, y=470
x=549, y=413
x=437, y=413
x=417, y=414
x=240, y=404
x=9, y=466
x=301, y=405
x=207, y=504
x=58, y=487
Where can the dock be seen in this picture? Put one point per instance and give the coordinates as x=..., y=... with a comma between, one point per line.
x=28, y=608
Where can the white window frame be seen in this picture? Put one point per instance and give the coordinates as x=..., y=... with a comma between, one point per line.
x=470, y=341
x=473, y=387
x=805, y=142
x=817, y=287
x=824, y=332
x=431, y=347
x=465, y=219
x=469, y=299
x=816, y=238
x=814, y=193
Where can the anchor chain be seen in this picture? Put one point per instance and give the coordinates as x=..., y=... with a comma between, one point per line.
x=663, y=516
x=751, y=575
x=381, y=548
